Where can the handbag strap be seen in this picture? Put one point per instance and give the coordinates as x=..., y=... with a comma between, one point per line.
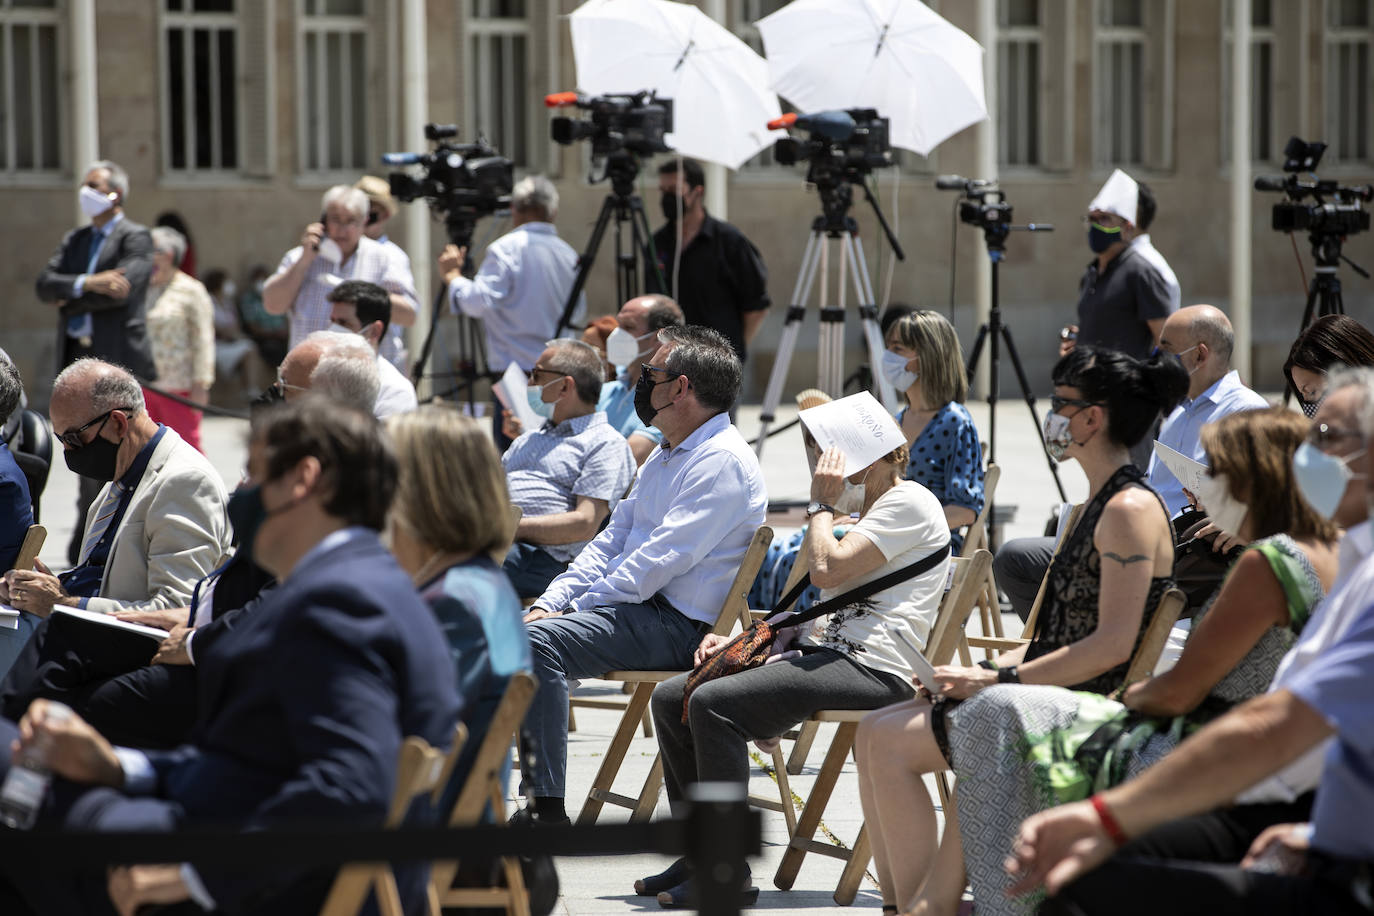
x=859, y=592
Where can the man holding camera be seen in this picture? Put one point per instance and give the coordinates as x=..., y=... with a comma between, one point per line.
x=721, y=279
x=522, y=286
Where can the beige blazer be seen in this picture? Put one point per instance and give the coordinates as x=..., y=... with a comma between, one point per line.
x=175, y=532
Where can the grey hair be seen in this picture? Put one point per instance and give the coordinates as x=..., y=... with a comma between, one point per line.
x=348, y=197
x=11, y=386
x=663, y=312
x=119, y=179
x=165, y=238
x=346, y=371
x=709, y=362
x=112, y=387
x=580, y=361
x=1214, y=330
x=1361, y=378
x=535, y=193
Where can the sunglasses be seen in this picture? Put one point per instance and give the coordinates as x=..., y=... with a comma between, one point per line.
x=72, y=437
x=1057, y=403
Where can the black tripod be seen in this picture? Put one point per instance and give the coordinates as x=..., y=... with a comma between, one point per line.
x=995, y=235
x=625, y=206
x=1324, y=294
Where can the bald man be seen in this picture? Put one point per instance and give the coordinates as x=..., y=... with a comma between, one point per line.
x=1201, y=339
x=342, y=367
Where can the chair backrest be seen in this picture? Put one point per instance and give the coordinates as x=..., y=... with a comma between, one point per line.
x=1156, y=636
x=33, y=453
x=420, y=767
x=977, y=537
x=735, y=607
x=1029, y=630
x=959, y=601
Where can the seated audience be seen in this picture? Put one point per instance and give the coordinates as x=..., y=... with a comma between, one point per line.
x=647, y=588
x=1056, y=745
x=364, y=309
x=267, y=330
x=232, y=348
x=860, y=658
x=638, y=323
x=306, y=704
x=181, y=331
x=449, y=527
x=1327, y=343
x=16, y=507
x=342, y=367
x=567, y=476
x=156, y=528
x=1113, y=568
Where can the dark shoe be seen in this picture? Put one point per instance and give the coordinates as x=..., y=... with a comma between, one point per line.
x=672, y=876
x=685, y=897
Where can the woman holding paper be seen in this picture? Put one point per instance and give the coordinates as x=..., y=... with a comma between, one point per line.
x=1114, y=564
x=857, y=658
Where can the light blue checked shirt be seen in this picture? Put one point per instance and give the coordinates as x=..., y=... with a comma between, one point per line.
x=547, y=469
x=681, y=533
x=1182, y=432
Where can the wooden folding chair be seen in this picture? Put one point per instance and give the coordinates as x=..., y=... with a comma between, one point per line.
x=420, y=767
x=483, y=787
x=735, y=608
x=941, y=644
x=989, y=605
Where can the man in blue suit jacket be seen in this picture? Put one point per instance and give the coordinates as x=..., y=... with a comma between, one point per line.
x=16, y=509
x=302, y=706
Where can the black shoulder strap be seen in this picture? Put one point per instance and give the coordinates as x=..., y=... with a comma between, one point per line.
x=858, y=593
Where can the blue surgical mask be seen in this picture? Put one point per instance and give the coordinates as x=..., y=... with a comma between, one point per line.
x=535, y=395
x=895, y=371
x=1322, y=479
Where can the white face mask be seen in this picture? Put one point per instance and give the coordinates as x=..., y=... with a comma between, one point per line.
x=330, y=251
x=1057, y=435
x=93, y=203
x=894, y=370
x=1225, y=511
x=230, y=290
x=622, y=347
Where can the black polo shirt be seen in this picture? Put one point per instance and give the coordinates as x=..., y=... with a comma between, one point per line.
x=722, y=277
x=1115, y=304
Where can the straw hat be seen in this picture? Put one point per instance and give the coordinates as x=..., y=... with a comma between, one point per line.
x=378, y=191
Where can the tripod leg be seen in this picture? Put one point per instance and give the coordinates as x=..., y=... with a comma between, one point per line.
x=830, y=371
x=796, y=312
x=584, y=264
x=1030, y=403
x=653, y=278
x=868, y=314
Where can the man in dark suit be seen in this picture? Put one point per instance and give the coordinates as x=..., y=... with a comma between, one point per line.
x=302, y=706
x=98, y=279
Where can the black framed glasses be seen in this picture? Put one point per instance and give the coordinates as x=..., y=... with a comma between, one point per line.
x=668, y=374
x=72, y=437
x=1057, y=403
x=1324, y=435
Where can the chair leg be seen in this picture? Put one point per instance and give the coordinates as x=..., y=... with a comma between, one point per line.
x=648, y=796
x=615, y=754
x=648, y=724
x=854, y=867
x=350, y=889
x=965, y=658
x=810, y=819
x=801, y=748
x=789, y=811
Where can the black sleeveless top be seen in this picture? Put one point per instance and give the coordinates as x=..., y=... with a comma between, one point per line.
x=1069, y=611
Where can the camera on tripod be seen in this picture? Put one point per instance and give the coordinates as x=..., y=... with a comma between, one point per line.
x=634, y=122
x=844, y=145
x=461, y=181
x=984, y=204
x=1336, y=210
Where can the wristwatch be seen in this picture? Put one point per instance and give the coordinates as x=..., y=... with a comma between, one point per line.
x=814, y=508
x=1008, y=675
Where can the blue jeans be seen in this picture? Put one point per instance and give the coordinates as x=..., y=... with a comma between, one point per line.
x=530, y=569
x=632, y=637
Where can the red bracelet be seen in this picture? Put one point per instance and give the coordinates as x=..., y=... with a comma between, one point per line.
x=1109, y=823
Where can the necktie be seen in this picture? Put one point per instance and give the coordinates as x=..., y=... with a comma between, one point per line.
x=102, y=519
x=81, y=325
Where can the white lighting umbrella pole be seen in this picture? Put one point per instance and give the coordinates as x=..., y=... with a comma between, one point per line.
x=898, y=56
x=718, y=84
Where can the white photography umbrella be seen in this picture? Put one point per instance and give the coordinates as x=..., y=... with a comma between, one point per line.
x=897, y=56
x=718, y=84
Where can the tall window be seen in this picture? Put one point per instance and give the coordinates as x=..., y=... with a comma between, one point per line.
x=500, y=100
x=1349, y=92
x=200, y=85
x=1263, y=42
x=1119, y=82
x=1020, y=49
x=333, y=67
x=30, y=100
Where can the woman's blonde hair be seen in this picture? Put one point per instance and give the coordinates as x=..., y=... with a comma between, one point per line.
x=452, y=492
x=943, y=378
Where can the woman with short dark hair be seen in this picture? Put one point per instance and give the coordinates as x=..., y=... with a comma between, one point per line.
x=1325, y=344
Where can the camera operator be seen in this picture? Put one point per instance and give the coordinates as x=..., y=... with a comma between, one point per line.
x=722, y=282
x=520, y=289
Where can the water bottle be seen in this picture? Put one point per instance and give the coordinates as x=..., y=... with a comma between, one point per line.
x=27, y=783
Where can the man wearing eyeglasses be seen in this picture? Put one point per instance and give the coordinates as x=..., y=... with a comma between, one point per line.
x=157, y=526
x=645, y=591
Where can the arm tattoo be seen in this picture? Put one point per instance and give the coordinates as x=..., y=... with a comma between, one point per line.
x=1126, y=561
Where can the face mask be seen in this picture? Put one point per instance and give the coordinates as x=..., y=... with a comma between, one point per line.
x=97, y=459
x=894, y=370
x=535, y=395
x=1225, y=511
x=1179, y=356
x=644, y=393
x=622, y=347
x=1100, y=238
x=230, y=290
x=1322, y=478
x=1057, y=435
x=93, y=203
x=330, y=251
x=336, y=328
x=671, y=202
x=247, y=513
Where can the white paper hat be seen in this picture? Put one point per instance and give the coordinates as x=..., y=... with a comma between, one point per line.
x=1119, y=195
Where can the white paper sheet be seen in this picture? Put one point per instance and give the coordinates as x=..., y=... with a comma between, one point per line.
x=510, y=391
x=1189, y=471
x=920, y=665
x=1120, y=195
x=107, y=620
x=858, y=425
x=9, y=617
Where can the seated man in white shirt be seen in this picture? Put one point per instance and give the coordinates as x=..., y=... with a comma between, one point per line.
x=642, y=594
x=363, y=308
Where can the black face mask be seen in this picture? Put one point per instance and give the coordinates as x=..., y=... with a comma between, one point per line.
x=96, y=459
x=670, y=204
x=644, y=393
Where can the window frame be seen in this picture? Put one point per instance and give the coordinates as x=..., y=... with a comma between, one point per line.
x=1157, y=42
x=1271, y=36
x=1332, y=36
x=187, y=20
x=479, y=27
x=321, y=25
x=36, y=17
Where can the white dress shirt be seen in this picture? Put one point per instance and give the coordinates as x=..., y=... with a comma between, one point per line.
x=395, y=393
x=519, y=293
x=681, y=533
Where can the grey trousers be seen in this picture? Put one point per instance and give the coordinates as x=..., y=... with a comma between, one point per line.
x=1019, y=566
x=729, y=712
